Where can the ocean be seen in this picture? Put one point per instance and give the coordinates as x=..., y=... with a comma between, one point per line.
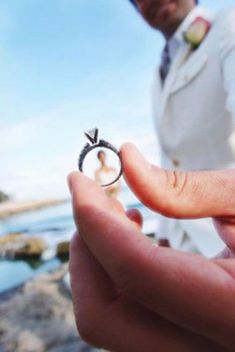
x=54, y=225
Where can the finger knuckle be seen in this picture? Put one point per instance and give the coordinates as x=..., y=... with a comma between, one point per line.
x=178, y=188
x=126, y=280
x=131, y=285
x=177, y=181
x=89, y=328
x=87, y=333
x=125, y=286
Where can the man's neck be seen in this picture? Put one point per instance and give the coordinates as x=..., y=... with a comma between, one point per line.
x=169, y=31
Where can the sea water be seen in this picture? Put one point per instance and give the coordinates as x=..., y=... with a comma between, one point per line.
x=54, y=225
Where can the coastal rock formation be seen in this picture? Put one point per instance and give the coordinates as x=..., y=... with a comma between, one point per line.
x=38, y=317
x=19, y=246
x=4, y=197
x=10, y=208
x=62, y=250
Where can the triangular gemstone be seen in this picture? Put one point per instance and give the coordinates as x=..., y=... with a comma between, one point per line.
x=92, y=135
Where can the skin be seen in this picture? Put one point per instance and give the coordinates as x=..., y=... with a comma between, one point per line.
x=130, y=295
x=165, y=15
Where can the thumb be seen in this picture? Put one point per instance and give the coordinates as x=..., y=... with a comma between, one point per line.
x=179, y=194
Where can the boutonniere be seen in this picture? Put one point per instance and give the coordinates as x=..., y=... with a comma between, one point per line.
x=197, y=32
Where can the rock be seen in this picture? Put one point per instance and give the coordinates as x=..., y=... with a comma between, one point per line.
x=67, y=282
x=4, y=197
x=74, y=347
x=29, y=342
x=39, y=318
x=10, y=208
x=63, y=249
x=19, y=246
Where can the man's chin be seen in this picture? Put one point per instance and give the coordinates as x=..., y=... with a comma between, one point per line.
x=165, y=27
x=164, y=17
x=166, y=11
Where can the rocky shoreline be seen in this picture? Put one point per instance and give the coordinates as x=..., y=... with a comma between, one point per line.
x=19, y=246
x=10, y=208
x=38, y=317
x=22, y=246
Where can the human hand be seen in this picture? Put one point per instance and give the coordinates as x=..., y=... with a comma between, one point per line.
x=164, y=242
x=130, y=295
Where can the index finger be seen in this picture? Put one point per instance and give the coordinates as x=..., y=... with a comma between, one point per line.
x=86, y=192
x=161, y=279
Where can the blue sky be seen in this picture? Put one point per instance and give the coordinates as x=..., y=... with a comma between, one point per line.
x=68, y=65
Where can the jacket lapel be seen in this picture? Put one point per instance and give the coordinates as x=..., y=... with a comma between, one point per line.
x=179, y=60
x=182, y=56
x=160, y=92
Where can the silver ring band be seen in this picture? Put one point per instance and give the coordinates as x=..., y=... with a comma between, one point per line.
x=93, y=138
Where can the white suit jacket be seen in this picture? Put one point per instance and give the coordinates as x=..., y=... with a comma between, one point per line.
x=194, y=116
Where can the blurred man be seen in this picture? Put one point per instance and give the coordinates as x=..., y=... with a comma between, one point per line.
x=194, y=102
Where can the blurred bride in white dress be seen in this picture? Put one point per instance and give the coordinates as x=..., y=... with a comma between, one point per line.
x=105, y=174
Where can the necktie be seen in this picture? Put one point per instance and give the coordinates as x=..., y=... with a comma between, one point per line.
x=165, y=64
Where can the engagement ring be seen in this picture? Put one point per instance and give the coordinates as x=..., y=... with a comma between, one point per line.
x=111, y=167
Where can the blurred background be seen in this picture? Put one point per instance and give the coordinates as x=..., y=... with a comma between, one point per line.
x=66, y=66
